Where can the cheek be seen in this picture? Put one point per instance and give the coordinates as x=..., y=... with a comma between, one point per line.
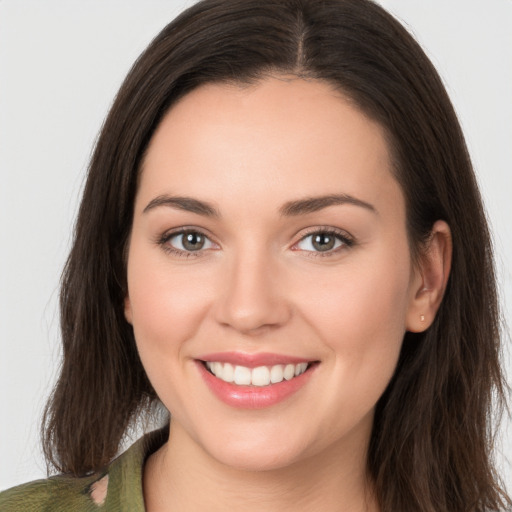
x=166, y=304
x=358, y=300
x=361, y=319
x=360, y=313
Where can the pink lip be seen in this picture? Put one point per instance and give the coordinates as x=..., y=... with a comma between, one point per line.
x=253, y=397
x=252, y=360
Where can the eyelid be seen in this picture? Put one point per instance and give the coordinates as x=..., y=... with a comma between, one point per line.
x=163, y=240
x=340, y=234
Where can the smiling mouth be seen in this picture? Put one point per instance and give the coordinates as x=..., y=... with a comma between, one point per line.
x=260, y=376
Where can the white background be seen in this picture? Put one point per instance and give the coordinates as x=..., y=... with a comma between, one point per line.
x=61, y=63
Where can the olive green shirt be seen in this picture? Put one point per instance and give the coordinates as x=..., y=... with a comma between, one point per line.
x=122, y=480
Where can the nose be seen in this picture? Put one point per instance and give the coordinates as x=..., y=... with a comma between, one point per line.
x=252, y=299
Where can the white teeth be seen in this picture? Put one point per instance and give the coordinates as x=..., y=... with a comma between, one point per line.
x=260, y=376
x=242, y=375
x=289, y=371
x=217, y=368
x=300, y=368
x=276, y=373
x=228, y=372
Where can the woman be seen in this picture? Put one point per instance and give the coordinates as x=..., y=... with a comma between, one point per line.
x=281, y=239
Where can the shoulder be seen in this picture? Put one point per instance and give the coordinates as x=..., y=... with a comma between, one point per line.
x=56, y=494
x=112, y=488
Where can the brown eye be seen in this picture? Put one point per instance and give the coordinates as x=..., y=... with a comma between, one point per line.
x=193, y=241
x=323, y=241
x=189, y=241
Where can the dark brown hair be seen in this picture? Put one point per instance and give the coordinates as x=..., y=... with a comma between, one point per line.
x=433, y=431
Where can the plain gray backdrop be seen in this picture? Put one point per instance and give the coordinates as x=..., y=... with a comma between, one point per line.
x=61, y=63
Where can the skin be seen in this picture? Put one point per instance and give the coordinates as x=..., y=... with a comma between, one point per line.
x=258, y=285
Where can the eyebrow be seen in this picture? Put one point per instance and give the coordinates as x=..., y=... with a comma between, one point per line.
x=314, y=204
x=187, y=204
x=289, y=209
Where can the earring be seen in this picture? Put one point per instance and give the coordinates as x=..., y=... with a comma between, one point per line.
x=422, y=318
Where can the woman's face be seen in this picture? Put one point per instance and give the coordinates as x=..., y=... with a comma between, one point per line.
x=269, y=235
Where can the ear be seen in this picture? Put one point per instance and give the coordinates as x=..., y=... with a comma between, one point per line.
x=430, y=279
x=128, y=310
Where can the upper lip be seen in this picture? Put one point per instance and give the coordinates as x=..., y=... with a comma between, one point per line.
x=252, y=360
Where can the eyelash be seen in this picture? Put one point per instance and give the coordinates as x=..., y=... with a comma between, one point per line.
x=346, y=240
x=163, y=241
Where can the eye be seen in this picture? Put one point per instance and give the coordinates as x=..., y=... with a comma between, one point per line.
x=323, y=241
x=188, y=241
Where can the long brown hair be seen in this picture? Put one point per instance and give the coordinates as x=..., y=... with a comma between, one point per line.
x=433, y=435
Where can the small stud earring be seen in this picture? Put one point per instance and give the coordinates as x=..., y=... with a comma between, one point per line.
x=422, y=318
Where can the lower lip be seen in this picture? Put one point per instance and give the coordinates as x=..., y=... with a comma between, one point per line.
x=253, y=397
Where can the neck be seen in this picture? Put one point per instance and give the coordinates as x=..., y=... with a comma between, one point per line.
x=181, y=476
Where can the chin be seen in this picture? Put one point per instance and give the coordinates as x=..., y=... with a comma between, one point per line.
x=255, y=460
x=256, y=453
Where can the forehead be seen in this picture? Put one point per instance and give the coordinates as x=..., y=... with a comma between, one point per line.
x=280, y=138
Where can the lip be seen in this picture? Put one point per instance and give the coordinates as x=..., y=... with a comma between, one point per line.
x=254, y=397
x=252, y=360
